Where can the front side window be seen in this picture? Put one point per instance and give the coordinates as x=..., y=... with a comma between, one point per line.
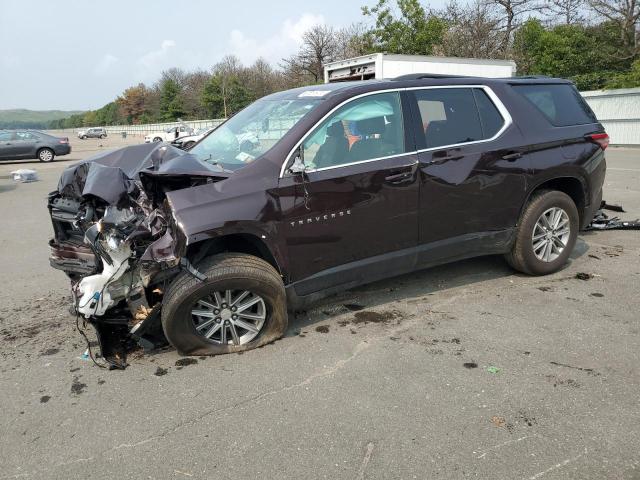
x=364, y=129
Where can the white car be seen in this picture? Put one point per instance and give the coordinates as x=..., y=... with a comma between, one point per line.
x=169, y=135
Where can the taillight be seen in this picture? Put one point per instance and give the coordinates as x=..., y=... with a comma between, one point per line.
x=63, y=140
x=601, y=139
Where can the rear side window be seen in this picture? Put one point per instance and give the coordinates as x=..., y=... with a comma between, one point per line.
x=451, y=116
x=561, y=104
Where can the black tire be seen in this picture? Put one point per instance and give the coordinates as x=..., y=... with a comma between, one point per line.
x=46, y=155
x=223, y=271
x=522, y=256
x=83, y=137
x=103, y=136
x=157, y=139
x=188, y=145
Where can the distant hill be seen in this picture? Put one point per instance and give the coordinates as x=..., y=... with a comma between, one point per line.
x=22, y=118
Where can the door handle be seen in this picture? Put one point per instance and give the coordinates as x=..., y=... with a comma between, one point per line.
x=512, y=157
x=401, y=177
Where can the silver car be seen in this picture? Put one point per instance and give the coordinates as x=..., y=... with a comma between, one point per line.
x=95, y=132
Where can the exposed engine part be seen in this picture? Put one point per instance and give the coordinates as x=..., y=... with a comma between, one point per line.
x=116, y=239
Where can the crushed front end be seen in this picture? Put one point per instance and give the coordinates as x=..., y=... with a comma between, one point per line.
x=116, y=239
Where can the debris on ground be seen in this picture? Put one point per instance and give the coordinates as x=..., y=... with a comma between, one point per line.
x=602, y=221
x=492, y=369
x=25, y=175
x=584, y=276
x=611, y=206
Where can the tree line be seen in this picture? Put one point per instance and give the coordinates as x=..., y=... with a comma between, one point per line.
x=592, y=42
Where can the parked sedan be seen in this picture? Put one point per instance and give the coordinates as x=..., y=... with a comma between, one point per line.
x=23, y=144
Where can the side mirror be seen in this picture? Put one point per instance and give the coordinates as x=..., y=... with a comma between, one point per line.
x=298, y=166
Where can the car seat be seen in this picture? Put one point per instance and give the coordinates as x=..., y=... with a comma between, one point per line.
x=335, y=148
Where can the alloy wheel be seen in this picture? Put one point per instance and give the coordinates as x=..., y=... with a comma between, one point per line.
x=551, y=234
x=46, y=155
x=229, y=317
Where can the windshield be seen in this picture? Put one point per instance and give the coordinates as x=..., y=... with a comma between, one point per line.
x=252, y=132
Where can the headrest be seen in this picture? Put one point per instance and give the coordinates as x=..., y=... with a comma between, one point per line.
x=336, y=129
x=371, y=126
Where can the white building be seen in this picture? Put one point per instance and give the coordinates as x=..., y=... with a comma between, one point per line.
x=619, y=112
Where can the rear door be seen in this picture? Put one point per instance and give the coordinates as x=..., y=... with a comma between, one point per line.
x=472, y=171
x=358, y=203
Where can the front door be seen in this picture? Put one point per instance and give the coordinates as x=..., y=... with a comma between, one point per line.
x=7, y=145
x=25, y=144
x=472, y=173
x=356, y=207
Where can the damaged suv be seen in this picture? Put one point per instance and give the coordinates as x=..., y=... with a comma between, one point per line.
x=345, y=184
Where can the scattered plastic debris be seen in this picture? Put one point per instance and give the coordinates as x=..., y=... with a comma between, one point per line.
x=85, y=355
x=492, y=369
x=24, y=175
x=602, y=221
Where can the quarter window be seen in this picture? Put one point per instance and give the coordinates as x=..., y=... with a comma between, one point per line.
x=450, y=116
x=561, y=104
x=364, y=129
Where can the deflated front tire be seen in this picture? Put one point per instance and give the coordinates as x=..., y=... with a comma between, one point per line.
x=240, y=306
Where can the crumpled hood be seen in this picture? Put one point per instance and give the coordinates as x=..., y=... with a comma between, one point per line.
x=112, y=175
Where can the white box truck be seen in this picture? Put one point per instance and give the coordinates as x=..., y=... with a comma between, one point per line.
x=383, y=65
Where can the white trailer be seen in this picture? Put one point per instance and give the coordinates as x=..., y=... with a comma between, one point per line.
x=383, y=65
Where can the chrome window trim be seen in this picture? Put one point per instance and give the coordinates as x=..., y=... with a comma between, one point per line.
x=506, y=116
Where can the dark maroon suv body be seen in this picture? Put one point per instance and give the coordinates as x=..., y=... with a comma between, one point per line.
x=377, y=219
x=399, y=175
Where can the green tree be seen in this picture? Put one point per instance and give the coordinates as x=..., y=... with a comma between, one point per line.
x=171, y=102
x=412, y=31
x=566, y=50
x=224, y=95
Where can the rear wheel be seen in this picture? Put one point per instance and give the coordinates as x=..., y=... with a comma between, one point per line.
x=103, y=136
x=546, y=235
x=240, y=306
x=45, y=155
x=157, y=139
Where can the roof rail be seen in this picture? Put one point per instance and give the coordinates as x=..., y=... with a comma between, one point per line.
x=421, y=76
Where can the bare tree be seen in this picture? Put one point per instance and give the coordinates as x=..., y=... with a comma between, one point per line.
x=511, y=13
x=351, y=41
x=474, y=31
x=262, y=79
x=624, y=13
x=319, y=46
x=567, y=12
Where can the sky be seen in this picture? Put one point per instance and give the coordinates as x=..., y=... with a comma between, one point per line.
x=80, y=55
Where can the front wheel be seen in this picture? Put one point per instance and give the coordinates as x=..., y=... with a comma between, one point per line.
x=46, y=155
x=240, y=306
x=546, y=235
x=157, y=139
